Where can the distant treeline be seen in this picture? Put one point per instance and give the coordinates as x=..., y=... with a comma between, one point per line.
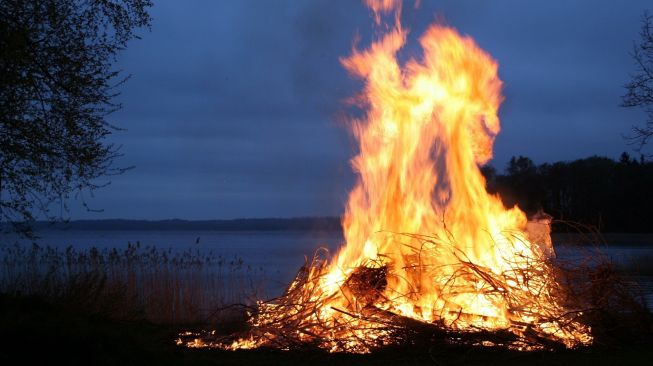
x=614, y=196
x=266, y=224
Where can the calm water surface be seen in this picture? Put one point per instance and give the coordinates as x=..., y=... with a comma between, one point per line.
x=279, y=254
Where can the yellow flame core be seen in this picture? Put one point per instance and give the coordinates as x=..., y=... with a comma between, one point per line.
x=430, y=124
x=428, y=127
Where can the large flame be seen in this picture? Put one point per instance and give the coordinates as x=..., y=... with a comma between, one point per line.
x=429, y=124
x=428, y=127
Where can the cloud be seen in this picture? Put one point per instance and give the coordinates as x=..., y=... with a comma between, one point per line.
x=231, y=108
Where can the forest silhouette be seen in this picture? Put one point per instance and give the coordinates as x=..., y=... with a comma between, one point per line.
x=612, y=196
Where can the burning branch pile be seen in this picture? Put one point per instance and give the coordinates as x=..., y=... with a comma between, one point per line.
x=369, y=317
x=481, y=273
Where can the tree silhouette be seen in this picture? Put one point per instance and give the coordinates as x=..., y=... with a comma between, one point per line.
x=57, y=85
x=639, y=91
x=610, y=195
x=521, y=185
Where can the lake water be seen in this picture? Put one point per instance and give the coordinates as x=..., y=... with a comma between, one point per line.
x=279, y=254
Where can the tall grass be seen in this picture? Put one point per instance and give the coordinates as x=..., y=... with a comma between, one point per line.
x=135, y=283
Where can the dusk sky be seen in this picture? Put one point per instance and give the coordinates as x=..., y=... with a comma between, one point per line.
x=234, y=108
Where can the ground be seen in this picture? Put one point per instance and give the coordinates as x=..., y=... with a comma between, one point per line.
x=34, y=331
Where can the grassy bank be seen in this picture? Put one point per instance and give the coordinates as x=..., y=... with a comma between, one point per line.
x=127, y=307
x=35, y=331
x=162, y=287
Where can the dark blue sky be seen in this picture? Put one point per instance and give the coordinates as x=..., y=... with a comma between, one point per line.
x=232, y=109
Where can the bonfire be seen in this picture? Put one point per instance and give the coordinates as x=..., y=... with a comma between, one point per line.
x=429, y=254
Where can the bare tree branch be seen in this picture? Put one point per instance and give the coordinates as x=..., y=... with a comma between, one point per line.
x=57, y=87
x=639, y=91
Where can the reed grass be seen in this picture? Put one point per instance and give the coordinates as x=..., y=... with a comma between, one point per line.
x=139, y=282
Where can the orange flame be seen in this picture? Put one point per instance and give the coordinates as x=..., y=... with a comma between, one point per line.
x=428, y=128
x=429, y=125
x=383, y=6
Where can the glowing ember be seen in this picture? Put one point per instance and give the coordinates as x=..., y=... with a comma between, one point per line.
x=477, y=269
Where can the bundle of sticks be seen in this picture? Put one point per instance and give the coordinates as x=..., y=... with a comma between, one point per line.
x=305, y=316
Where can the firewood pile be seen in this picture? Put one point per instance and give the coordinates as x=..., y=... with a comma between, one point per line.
x=305, y=316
